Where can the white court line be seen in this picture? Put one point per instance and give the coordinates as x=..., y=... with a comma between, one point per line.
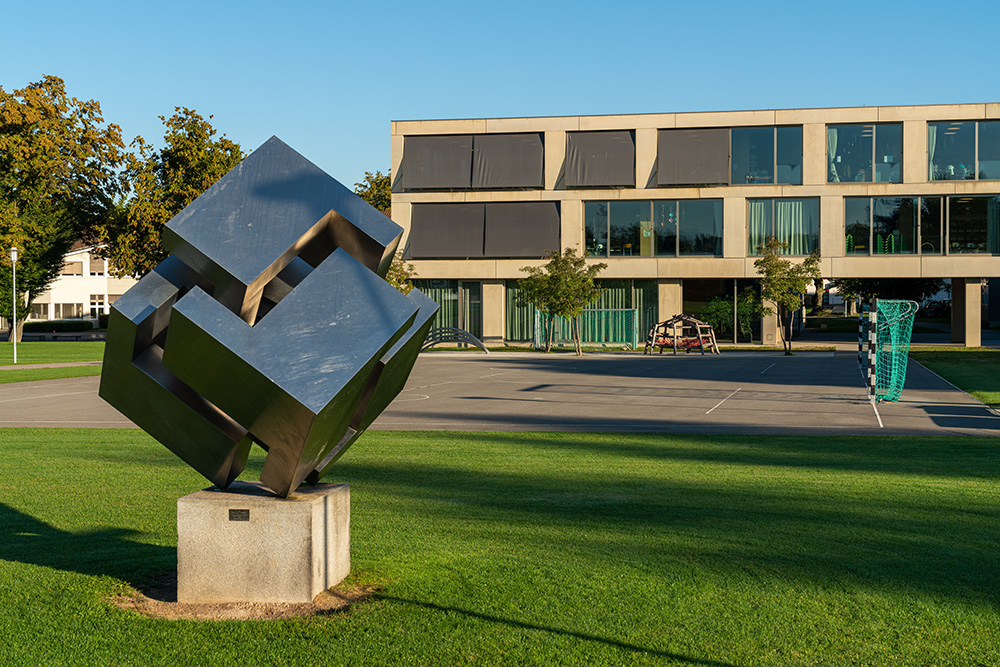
x=436, y=384
x=493, y=375
x=723, y=401
x=880, y=425
x=768, y=368
x=32, y=398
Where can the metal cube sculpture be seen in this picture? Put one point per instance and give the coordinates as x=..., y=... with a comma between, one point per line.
x=270, y=322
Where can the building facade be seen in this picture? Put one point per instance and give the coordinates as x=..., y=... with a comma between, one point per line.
x=676, y=204
x=83, y=290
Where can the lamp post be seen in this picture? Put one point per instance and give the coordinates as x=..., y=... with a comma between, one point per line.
x=13, y=312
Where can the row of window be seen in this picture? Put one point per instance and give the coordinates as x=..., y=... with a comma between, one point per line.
x=97, y=268
x=868, y=153
x=959, y=224
x=872, y=226
x=922, y=225
x=461, y=305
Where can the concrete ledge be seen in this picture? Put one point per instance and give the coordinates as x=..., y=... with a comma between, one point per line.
x=244, y=544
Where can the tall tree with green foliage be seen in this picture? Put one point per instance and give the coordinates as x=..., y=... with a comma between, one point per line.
x=561, y=288
x=162, y=183
x=376, y=189
x=784, y=282
x=58, y=180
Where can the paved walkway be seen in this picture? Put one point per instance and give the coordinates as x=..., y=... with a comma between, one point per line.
x=739, y=392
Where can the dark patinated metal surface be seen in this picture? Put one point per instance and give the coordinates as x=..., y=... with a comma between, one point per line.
x=270, y=322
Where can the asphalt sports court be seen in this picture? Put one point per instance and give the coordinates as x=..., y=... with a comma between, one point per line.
x=737, y=392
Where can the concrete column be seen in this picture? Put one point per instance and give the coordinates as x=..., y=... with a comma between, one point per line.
x=645, y=157
x=555, y=160
x=966, y=315
x=915, y=169
x=494, y=312
x=769, y=326
x=814, y=154
x=670, y=297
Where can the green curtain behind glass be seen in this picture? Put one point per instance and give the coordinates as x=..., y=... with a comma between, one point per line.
x=445, y=294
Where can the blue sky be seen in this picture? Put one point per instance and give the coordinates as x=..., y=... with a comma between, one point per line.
x=328, y=77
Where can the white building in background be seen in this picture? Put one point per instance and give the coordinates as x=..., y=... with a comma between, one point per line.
x=83, y=290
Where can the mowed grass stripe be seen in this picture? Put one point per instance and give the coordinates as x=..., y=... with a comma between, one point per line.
x=539, y=548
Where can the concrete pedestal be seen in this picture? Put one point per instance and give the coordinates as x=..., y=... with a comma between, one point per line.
x=244, y=544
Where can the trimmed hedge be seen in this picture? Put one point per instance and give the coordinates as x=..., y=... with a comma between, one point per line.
x=58, y=326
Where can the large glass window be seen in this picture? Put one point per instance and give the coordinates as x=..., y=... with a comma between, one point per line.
x=792, y=221
x=857, y=225
x=989, y=150
x=917, y=225
x=700, y=227
x=881, y=226
x=864, y=153
x=752, y=155
x=951, y=151
x=931, y=226
x=629, y=229
x=973, y=225
x=461, y=303
x=646, y=228
x=762, y=155
x=595, y=228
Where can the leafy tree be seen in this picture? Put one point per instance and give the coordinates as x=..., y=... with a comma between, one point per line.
x=162, y=183
x=563, y=288
x=784, y=283
x=376, y=189
x=58, y=179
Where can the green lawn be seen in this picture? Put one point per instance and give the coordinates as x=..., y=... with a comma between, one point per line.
x=974, y=370
x=32, y=374
x=537, y=549
x=51, y=352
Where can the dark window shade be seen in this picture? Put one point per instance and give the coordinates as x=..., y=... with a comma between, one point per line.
x=437, y=162
x=600, y=159
x=693, y=157
x=507, y=161
x=446, y=231
x=522, y=229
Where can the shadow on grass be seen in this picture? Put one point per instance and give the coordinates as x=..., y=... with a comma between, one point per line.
x=429, y=606
x=25, y=539
x=921, y=517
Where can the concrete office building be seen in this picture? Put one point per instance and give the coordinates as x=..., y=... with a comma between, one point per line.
x=677, y=203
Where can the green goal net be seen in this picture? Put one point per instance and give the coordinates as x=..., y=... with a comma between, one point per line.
x=884, y=345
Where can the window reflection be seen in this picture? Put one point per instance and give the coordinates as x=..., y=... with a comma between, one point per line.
x=894, y=225
x=664, y=228
x=701, y=227
x=989, y=150
x=864, y=153
x=753, y=155
x=596, y=229
x=930, y=226
x=857, y=225
x=951, y=151
x=630, y=231
x=973, y=225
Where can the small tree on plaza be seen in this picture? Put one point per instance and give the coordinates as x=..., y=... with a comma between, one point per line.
x=561, y=288
x=784, y=282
